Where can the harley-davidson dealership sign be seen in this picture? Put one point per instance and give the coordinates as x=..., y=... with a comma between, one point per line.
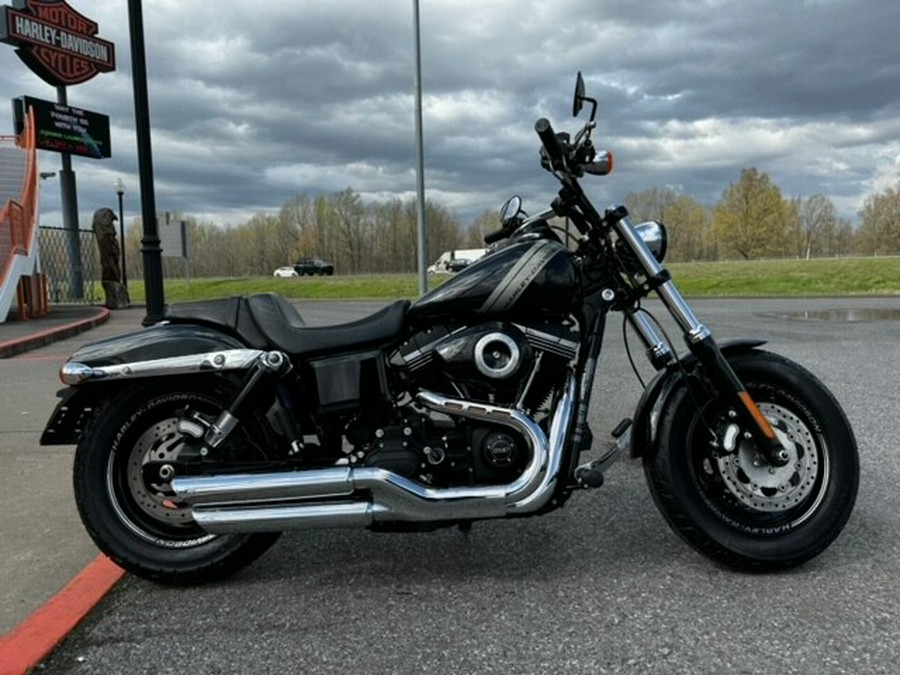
x=56, y=42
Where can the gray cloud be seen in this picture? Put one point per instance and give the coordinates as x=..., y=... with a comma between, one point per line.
x=252, y=103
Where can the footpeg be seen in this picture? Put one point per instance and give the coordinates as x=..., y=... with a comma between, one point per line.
x=589, y=475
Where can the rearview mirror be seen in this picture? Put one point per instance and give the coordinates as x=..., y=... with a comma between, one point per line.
x=578, y=101
x=510, y=209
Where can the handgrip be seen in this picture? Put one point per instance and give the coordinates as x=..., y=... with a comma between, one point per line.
x=551, y=142
x=494, y=236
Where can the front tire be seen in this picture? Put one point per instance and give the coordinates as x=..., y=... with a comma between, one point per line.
x=733, y=506
x=134, y=520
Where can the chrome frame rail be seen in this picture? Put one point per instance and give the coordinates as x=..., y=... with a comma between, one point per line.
x=75, y=373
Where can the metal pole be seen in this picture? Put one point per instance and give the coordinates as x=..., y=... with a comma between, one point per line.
x=420, y=160
x=120, y=190
x=150, y=249
x=69, y=197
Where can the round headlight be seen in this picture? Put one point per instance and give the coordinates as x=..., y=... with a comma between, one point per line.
x=654, y=235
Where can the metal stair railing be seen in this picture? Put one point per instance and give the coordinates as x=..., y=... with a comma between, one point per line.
x=18, y=217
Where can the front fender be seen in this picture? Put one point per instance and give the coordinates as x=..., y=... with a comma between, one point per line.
x=656, y=396
x=79, y=403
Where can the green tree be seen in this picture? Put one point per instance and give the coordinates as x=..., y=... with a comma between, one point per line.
x=879, y=228
x=752, y=217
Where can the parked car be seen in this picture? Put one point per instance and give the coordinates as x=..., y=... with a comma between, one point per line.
x=285, y=272
x=312, y=266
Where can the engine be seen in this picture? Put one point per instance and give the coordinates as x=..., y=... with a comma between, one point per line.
x=501, y=364
x=495, y=362
x=441, y=452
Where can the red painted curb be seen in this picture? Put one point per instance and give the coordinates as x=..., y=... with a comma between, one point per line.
x=18, y=345
x=26, y=645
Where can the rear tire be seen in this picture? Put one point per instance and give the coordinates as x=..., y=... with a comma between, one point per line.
x=736, y=508
x=137, y=523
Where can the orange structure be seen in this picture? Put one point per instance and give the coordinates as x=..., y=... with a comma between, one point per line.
x=20, y=275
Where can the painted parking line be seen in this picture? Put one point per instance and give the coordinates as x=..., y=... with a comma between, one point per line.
x=26, y=645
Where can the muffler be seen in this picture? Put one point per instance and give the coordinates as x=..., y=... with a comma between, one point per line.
x=361, y=496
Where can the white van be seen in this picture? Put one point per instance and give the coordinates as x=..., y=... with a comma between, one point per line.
x=453, y=261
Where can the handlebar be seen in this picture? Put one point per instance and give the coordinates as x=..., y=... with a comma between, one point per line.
x=550, y=140
x=506, y=231
x=558, y=154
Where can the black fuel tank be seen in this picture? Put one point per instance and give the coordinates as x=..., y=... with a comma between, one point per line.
x=533, y=279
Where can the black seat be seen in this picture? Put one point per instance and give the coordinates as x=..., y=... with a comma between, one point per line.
x=229, y=314
x=280, y=322
x=268, y=321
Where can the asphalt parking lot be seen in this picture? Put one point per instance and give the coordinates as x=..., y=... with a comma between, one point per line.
x=601, y=586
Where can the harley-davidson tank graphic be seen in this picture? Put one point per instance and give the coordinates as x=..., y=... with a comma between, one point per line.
x=531, y=279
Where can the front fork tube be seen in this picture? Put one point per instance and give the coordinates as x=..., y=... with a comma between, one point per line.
x=699, y=341
x=267, y=367
x=715, y=365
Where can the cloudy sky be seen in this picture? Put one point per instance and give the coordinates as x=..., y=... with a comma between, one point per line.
x=254, y=102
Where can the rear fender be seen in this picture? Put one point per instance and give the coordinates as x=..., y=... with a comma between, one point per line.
x=157, y=342
x=100, y=370
x=659, y=392
x=174, y=349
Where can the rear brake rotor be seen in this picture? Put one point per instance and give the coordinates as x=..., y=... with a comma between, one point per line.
x=160, y=443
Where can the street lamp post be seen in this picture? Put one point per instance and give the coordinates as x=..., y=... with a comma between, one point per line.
x=150, y=248
x=120, y=190
x=421, y=231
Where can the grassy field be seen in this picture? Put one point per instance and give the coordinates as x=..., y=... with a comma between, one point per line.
x=778, y=278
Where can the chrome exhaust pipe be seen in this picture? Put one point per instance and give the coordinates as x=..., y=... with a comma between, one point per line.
x=325, y=497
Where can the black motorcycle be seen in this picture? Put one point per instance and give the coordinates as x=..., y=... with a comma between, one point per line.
x=201, y=438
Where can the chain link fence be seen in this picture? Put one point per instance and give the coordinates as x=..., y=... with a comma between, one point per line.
x=71, y=263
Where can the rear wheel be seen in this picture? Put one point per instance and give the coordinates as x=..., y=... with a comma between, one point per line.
x=718, y=492
x=135, y=518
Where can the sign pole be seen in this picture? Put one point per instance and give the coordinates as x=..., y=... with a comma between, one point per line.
x=150, y=248
x=69, y=199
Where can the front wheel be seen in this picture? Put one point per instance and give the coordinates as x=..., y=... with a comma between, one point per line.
x=132, y=516
x=716, y=490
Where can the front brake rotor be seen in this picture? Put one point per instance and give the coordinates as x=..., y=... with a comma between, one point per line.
x=760, y=486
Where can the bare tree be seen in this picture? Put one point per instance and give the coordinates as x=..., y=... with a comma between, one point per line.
x=817, y=220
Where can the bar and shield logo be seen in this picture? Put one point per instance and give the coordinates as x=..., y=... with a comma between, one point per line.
x=59, y=44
